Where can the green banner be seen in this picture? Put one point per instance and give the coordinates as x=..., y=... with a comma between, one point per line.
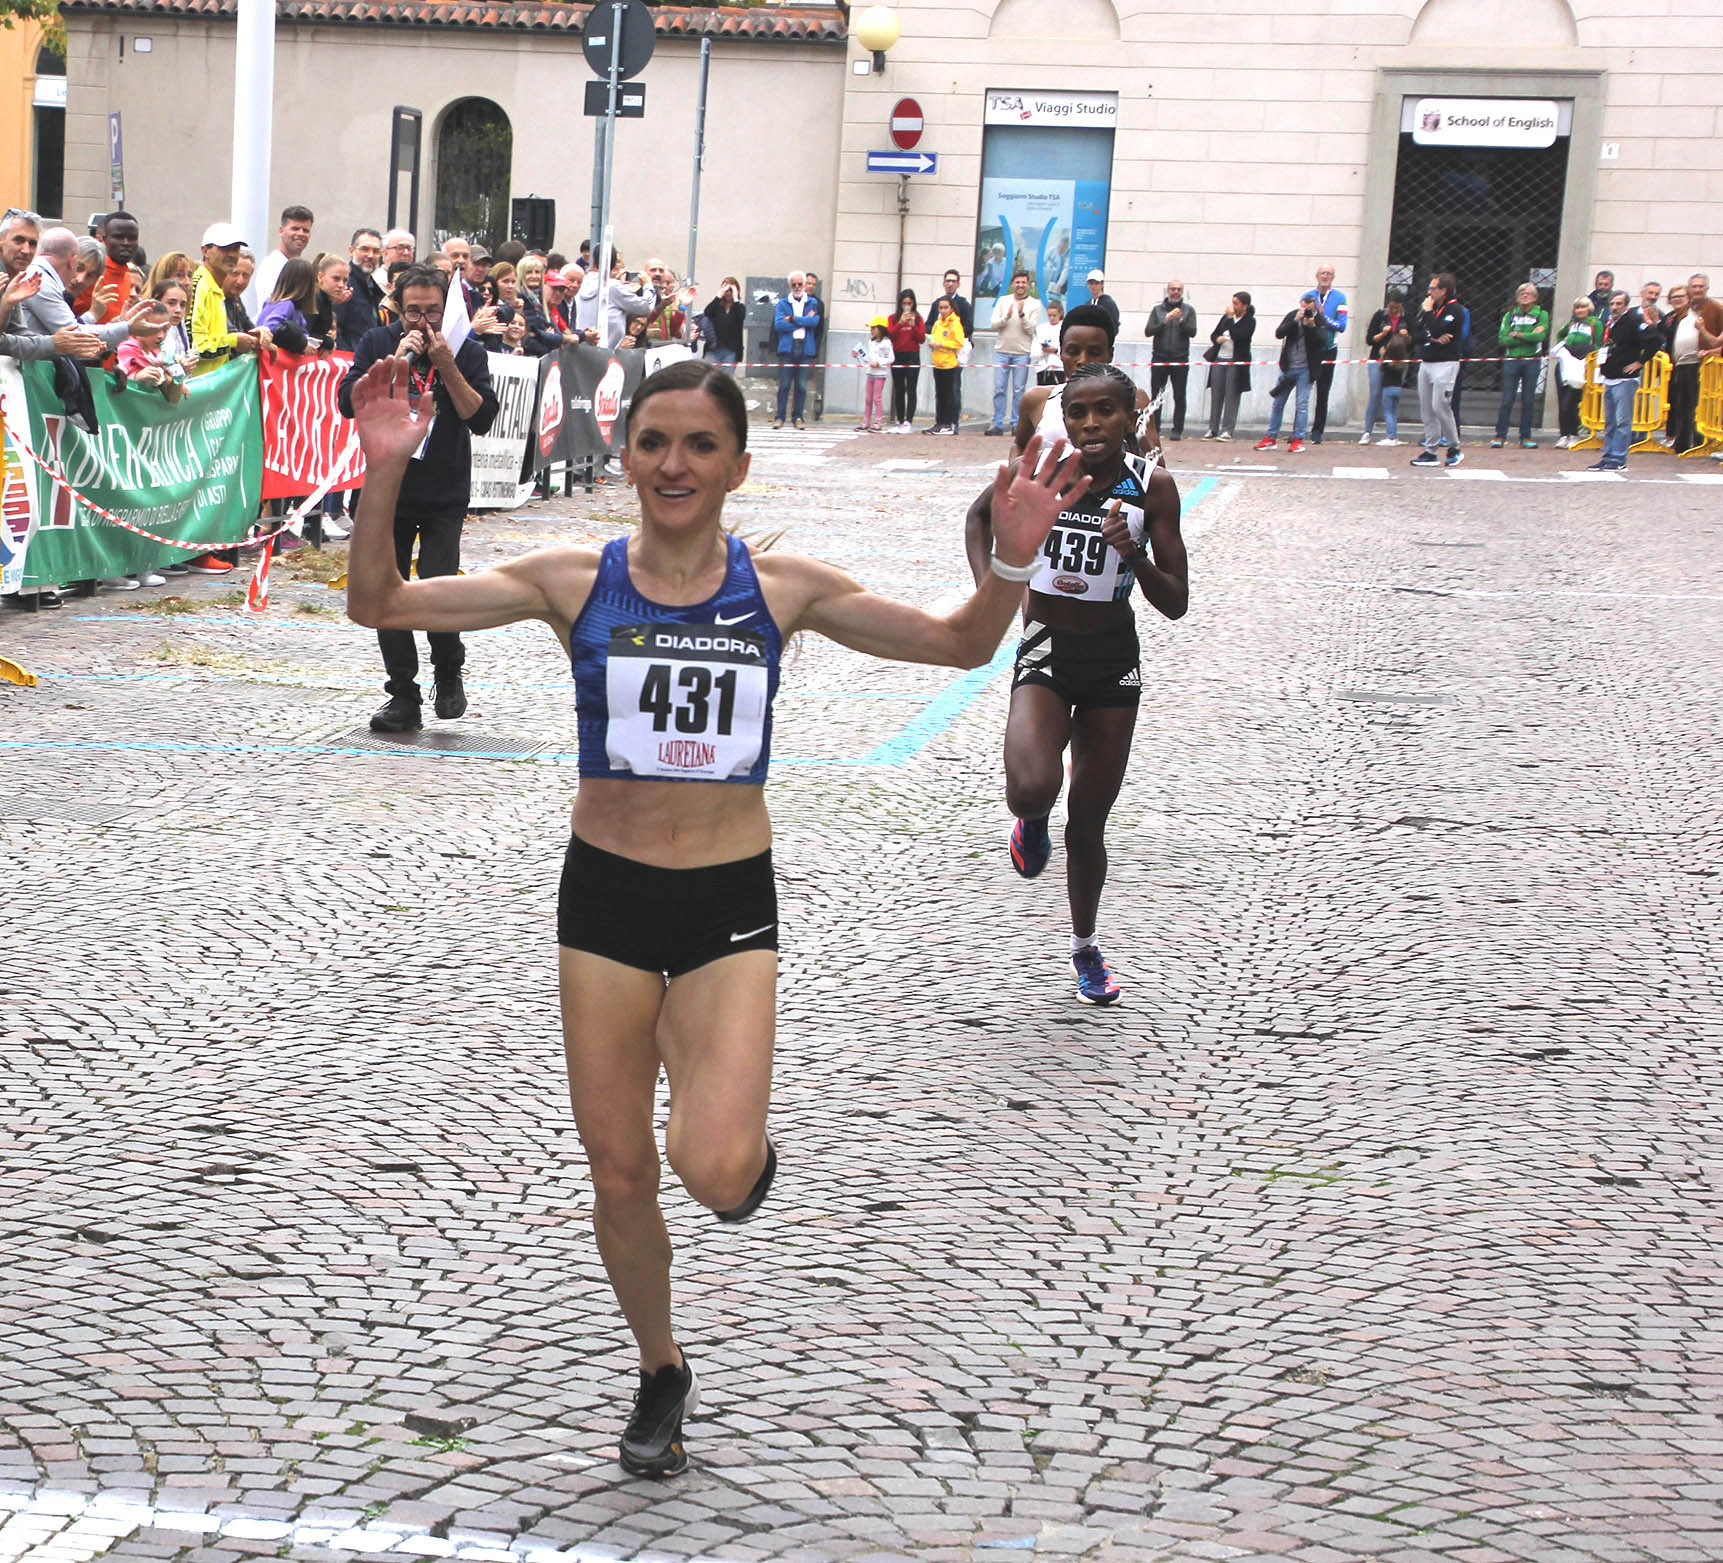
x=189, y=470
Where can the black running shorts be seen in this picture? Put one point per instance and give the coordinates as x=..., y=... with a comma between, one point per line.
x=1085, y=671
x=667, y=920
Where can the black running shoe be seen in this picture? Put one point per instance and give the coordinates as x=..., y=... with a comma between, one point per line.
x=756, y=1196
x=652, y=1441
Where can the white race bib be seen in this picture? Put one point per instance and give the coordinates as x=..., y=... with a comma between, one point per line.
x=687, y=701
x=1076, y=561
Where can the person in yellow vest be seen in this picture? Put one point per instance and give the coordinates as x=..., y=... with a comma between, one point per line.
x=214, y=341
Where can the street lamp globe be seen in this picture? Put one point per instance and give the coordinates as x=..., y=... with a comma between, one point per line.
x=876, y=30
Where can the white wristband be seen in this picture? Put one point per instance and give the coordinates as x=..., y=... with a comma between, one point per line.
x=1012, y=572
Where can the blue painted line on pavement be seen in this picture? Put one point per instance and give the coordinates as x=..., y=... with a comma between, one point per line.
x=936, y=718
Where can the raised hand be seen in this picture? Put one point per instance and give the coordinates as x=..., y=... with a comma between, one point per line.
x=386, y=413
x=1027, y=501
x=26, y=285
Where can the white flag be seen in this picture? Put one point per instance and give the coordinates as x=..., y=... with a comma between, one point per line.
x=457, y=323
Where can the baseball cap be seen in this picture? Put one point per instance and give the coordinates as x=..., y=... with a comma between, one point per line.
x=478, y=253
x=1097, y=276
x=222, y=235
x=1307, y=296
x=881, y=322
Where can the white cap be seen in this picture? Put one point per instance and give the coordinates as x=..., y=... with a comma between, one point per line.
x=1094, y=276
x=222, y=235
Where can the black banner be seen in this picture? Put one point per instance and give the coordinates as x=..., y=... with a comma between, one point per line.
x=583, y=398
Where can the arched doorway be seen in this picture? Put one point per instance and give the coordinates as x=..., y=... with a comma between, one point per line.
x=475, y=149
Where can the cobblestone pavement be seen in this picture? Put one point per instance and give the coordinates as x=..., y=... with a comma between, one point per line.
x=1380, y=1222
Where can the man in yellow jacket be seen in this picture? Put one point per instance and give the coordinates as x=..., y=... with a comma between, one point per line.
x=212, y=338
x=215, y=341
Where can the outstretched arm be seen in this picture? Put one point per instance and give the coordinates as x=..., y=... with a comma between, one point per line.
x=1025, y=505
x=390, y=430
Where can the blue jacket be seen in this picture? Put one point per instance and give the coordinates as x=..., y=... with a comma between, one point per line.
x=785, y=325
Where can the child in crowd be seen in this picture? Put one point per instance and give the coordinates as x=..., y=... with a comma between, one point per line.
x=174, y=297
x=1398, y=367
x=877, y=355
x=287, y=315
x=145, y=362
x=1049, y=366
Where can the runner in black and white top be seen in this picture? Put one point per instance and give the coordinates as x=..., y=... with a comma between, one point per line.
x=1078, y=677
x=668, y=919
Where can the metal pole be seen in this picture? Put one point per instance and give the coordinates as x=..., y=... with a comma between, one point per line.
x=699, y=157
x=618, y=11
x=254, y=99
x=596, y=226
x=902, y=222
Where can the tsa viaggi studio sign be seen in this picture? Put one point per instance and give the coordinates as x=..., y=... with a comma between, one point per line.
x=1091, y=110
x=1485, y=122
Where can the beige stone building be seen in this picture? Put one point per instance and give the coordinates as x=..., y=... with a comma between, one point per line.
x=1231, y=143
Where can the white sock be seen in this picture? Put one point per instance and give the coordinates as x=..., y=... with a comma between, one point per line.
x=1082, y=942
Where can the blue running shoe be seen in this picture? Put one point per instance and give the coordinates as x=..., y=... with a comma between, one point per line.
x=1095, y=983
x=1031, y=846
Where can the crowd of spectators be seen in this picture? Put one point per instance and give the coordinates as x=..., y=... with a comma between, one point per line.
x=96, y=302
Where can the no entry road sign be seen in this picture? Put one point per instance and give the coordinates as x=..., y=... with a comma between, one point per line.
x=906, y=123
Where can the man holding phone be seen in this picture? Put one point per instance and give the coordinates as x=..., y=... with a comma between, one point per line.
x=456, y=401
x=1440, y=335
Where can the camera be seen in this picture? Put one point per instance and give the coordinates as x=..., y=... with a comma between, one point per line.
x=505, y=314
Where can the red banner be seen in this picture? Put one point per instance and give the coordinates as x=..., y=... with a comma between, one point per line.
x=305, y=438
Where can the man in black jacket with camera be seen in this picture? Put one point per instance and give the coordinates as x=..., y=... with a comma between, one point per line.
x=456, y=402
x=1303, y=340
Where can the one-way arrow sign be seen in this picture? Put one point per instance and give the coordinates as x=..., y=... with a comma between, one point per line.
x=903, y=162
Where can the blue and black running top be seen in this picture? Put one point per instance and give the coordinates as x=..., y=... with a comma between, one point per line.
x=675, y=693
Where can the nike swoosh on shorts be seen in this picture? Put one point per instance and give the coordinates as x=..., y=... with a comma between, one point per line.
x=737, y=938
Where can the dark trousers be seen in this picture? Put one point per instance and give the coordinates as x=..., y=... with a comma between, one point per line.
x=1519, y=376
x=796, y=373
x=905, y=381
x=1226, y=384
x=1683, y=404
x=1324, y=379
x=947, y=397
x=1567, y=409
x=439, y=554
x=1179, y=374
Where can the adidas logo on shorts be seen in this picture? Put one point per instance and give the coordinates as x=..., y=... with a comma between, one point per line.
x=1131, y=680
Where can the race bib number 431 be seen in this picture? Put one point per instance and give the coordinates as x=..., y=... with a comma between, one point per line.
x=687, y=701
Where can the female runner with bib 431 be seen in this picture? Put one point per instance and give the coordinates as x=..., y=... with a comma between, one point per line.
x=668, y=918
x=1078, y=677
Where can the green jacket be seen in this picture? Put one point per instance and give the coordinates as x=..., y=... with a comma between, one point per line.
x=1581, y=337
x=1524, y=331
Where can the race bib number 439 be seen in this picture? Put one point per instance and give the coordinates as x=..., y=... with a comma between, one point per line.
x=687, y=701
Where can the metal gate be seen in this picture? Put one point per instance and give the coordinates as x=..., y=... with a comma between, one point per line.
x=475, y=148
x=1490, y=215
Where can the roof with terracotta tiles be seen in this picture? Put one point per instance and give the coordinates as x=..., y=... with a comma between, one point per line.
x=777, y=23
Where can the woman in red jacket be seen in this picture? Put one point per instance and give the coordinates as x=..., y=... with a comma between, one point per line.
x=907, y=332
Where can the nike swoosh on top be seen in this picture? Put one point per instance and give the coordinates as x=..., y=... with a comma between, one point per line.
x=737, y=938
x=718, y=618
